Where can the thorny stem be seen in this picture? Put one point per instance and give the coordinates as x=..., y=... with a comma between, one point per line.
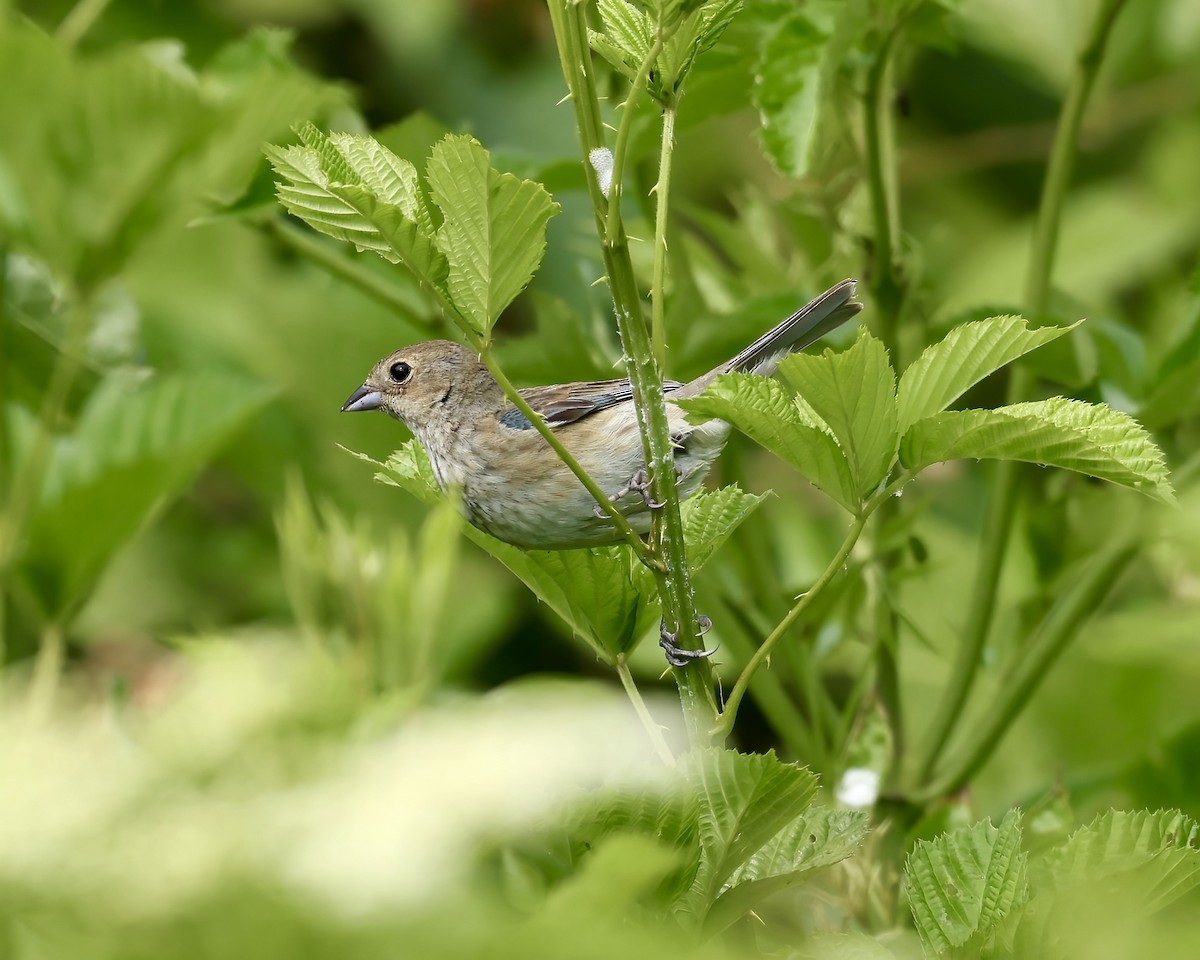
x=653, y=730
x=729, y=713
x=674, y=583
x=662, y=192
x=1002, y=503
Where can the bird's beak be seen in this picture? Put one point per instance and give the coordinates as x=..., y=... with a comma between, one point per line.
x=364, y=398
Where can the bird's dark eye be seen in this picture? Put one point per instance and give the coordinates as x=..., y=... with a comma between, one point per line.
x=400, y=372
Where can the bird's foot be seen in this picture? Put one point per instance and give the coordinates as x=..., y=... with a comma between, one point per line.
x=639, y=483
x=678, y=656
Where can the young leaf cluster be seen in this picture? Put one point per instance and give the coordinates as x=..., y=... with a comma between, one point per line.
x=627, y=40
x=472, y=236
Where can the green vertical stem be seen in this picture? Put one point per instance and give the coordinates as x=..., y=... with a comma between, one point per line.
x=888, y=289
x=1002, y=503
x=886, y=281
x=662, y=192
x=672, y=575
x=1046, y=644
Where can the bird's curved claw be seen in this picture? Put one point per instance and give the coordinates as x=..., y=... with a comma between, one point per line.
x=679, y=656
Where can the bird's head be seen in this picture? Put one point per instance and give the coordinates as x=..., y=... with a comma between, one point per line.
x=423, y=383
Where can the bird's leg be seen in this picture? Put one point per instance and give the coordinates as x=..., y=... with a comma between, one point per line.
x=678, y=656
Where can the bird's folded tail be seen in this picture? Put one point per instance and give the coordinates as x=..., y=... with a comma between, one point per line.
x=806, y=326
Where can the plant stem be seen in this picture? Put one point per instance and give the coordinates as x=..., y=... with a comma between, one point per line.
x=888, y=287
x=662, y=192
x=729, y=713
x=639, y=705
x=885, y=280
x=672, y=576
x=1046, y=644
x=1002, y=503
x=349, y=270
x=79, y=20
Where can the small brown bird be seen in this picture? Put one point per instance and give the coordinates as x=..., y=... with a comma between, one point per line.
x=512, y=484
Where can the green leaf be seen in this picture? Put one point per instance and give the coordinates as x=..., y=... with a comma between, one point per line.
x=962, y=885
x=709, y=517
x=626, y=36
x=788, y=92
x=494, y=229
x=968, y=354
x=1158, y=853
x=668, y=816
x=762, y=409
x=854, y=394
x=745, y=800
x=699, y=31
x=1122, y=867
x=134, y=449
x=1088, y=438
x=819, y=838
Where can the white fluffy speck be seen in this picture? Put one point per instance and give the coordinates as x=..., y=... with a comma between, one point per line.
x=601, y=160
x=858, y=788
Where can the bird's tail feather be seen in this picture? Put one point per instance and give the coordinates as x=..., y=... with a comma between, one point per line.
x=806, y=326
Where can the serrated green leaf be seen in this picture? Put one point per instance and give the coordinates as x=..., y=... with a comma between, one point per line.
x=404, y=241
x=625, y=38
x=668, y=816
x=709, y=517
x=493, y=232
x=962, y=885
x=408, y=468
x=1133, y=862
x=745, y=800
x=968, y=354
x=788, y=92
x=1070, y=434
x=1126, y=843
x=699, y=31
x=354, y=189
x=762, y=409
x=854, y=394
x=135, y=448
x=820, y=837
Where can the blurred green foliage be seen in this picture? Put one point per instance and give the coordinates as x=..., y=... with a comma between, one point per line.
x=266, y=736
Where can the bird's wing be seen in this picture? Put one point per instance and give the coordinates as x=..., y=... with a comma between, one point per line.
x=565, y=403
